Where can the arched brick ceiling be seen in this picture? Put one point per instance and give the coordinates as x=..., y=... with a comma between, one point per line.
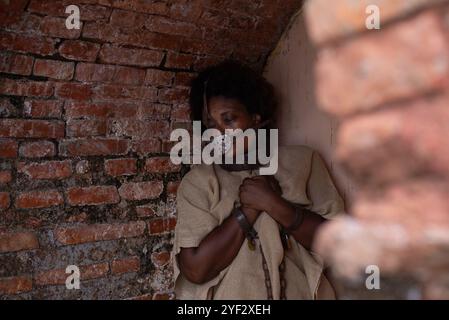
x=208, y=29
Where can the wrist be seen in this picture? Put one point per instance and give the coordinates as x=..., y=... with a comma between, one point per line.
x=251, y=214
x=283, y=212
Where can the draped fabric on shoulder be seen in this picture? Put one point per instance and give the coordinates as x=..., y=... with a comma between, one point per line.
x=206, y=197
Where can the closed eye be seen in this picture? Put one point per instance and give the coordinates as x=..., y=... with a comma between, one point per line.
x=228, y=120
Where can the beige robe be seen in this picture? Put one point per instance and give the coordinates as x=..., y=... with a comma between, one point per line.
x=206, y=197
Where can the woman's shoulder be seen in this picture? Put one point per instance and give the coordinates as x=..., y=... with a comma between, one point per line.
x=197, y=176
x=295, y=160
x=199, y=172
x=295, y=152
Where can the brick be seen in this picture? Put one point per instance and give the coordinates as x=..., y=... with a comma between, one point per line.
x=262, y=38
x=4, y=200
x=146, y=146
x=8, y=19
x=188, y=11
x=37, y=149
x=142, y=6
x=244, y=22
x=203, y=62
x=127, y=36
x=396, y=144
x=109, y=73
x=163, y=41
x=199, y=46
x=55, y=27
x=128, y=19
x=397, y=247
x=154, y=111
x=105, y=33
x=43, y=108
x=114, y=92
x=16, y=63
x=184, y=79
x=403, y=201
x=18, y=241
x=161, y=225
x=173, y=95
x=8, y=148
x=156, y=77
x=172, y=188
x=94, y=271
x=86, y=128
x=132, y=57
x=179, y=60
x=160, y=259
x=98, y=232
x=39, y=199
x=93, y=147
x=211, y=17
x=120, y=266
x=26, y=88
x=18, y=128
x=173, y=27
x=160, y=165
x=141, y=190
x=5, y=177
x=180, y=112
x=86, y=110
x=120, y=167
x=79, y=50
x=15, y=285
x=94, y=195
x=157, y=24
x=27, y=44
x=25, y=24
x=138, y=129
x=379, y=68
x=343, y=22
x=74, y=91
x=54, y=69
x=13, y=6
x=46, y=170
x=57, y=8
x=58, y=276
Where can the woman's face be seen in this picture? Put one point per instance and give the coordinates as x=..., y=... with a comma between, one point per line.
x=226, y=113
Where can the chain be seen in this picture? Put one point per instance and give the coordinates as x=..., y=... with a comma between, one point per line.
x=268, y=280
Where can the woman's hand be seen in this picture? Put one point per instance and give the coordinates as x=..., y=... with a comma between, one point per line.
x=260, y=193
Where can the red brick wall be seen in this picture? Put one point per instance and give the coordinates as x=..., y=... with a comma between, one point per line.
x=390, y=90
x=85, y=117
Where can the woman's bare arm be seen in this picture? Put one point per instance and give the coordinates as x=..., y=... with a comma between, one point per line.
x=216, y=251
x=285, y=214
x=259, y=193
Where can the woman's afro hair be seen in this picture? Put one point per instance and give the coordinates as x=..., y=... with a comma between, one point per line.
x=230, y=79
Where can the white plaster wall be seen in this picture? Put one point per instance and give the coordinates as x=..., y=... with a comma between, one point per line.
x=290, y=69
